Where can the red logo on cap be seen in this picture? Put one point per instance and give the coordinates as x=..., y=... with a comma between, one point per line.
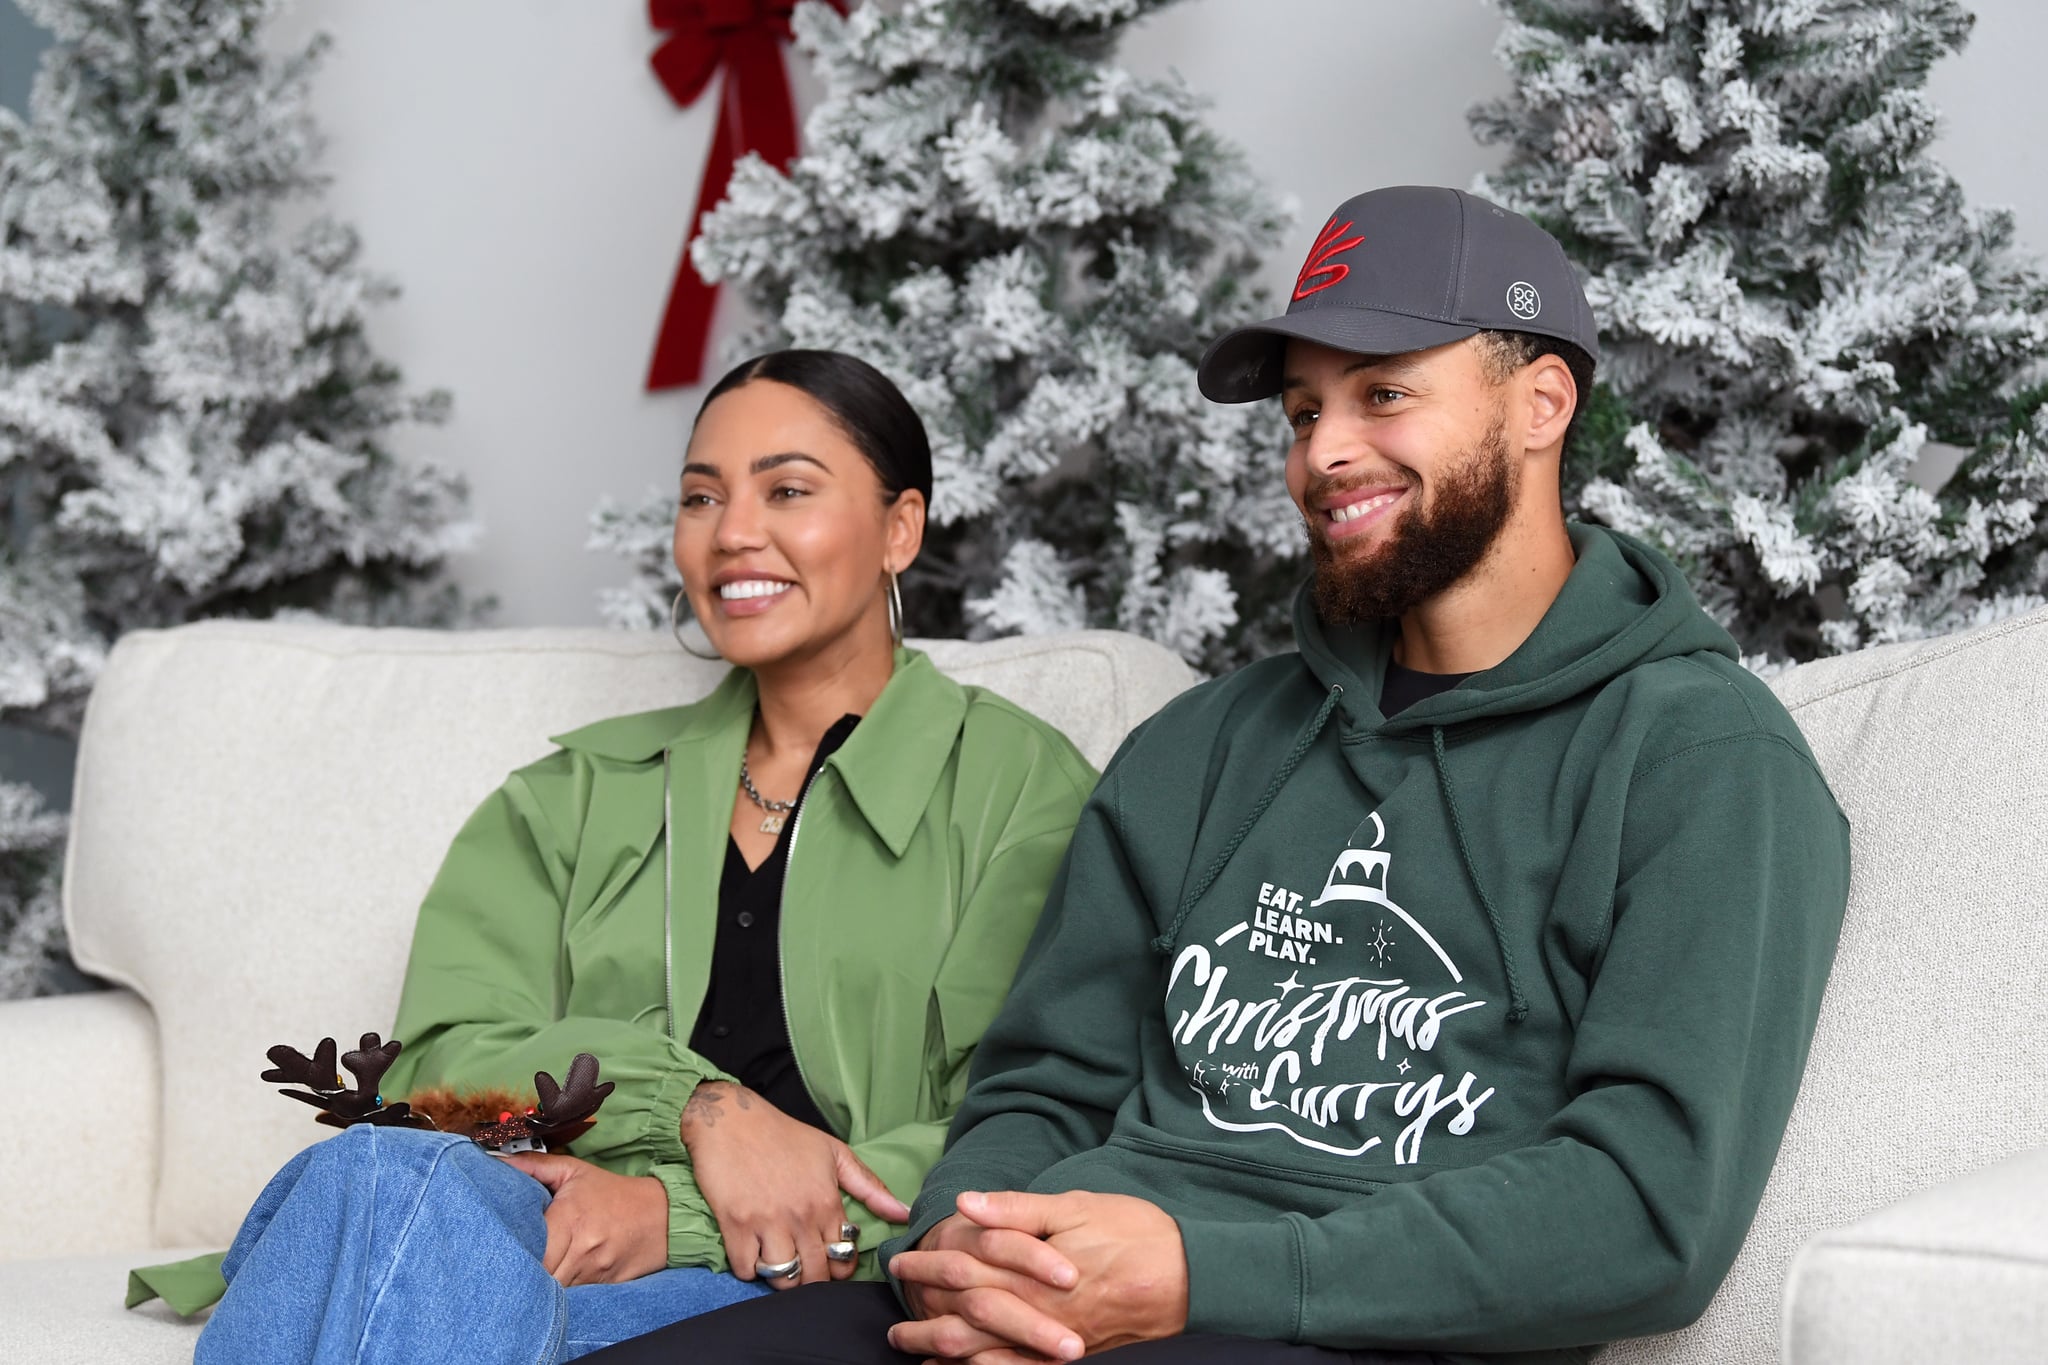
x=1318, y=267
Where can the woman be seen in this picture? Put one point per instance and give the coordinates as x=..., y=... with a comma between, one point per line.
x=780, y=917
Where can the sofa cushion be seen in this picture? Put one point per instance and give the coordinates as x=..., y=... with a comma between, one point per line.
x=67, y=1311
x=1958, y=1272
x=80, y=1175
x=1933, y=1038
x=261, y=806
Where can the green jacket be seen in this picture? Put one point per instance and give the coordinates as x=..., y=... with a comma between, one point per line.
x=564, y=921
x=917, y=869
x=1470, y=1031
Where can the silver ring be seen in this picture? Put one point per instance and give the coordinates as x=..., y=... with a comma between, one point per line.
x=781, y=1270
x=848, y=1232
x=842, y=1252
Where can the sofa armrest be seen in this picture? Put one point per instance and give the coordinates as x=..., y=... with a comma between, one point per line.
x=1956, y=1272
x=80, y=1174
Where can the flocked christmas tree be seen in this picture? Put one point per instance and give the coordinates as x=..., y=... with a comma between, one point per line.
x=192, y=422
x=1795, y=300
x=1036, y=245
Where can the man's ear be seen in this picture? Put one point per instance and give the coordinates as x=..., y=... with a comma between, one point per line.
x=1550, y=397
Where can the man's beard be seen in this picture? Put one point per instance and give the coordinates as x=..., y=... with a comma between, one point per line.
x=1427, y=552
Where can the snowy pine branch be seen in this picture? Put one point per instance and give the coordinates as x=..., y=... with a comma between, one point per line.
x=1794, y=299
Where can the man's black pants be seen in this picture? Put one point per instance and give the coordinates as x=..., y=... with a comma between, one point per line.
x=847, y=1323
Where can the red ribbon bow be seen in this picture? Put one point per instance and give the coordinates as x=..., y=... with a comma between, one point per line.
x=755, y=114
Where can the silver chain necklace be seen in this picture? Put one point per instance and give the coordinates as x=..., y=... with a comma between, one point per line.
x=776, y=810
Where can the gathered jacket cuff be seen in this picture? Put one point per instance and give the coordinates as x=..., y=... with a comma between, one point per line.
x=663, y=1137
x=693, y=1237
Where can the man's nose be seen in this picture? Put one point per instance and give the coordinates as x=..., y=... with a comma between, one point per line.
x=1334, y=446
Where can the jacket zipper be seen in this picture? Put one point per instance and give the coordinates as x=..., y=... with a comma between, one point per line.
x=796, y=826
x=668, y=899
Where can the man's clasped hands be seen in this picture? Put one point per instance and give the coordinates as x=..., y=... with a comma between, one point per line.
x=1010, y=1278
x=1015, y=1278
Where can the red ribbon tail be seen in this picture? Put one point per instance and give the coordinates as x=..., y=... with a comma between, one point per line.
x=759, y=99
x=685, y=333
x=755, y=113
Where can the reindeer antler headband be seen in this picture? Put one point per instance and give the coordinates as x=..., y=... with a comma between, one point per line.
x=564, y=1113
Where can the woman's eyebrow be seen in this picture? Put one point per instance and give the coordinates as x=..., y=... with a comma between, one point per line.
x=761, y=465
x=767, y=462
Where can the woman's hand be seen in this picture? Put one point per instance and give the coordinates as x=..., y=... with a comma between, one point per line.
x=773, y=1183
x=602, y=1228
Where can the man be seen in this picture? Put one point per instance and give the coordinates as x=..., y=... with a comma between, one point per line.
x=1439, y=992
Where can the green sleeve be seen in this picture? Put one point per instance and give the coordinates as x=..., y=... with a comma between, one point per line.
x=483, y=997
x=185, y=1286
x=1041, y=1091
x=1683, y=1069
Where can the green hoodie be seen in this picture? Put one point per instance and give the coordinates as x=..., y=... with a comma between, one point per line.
x=1472, y=1031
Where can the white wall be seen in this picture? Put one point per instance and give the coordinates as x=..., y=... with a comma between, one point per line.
x=1995, y=124
x=516, y=166
x=1331, y=97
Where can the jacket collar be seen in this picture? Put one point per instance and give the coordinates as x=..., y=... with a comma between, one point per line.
x=891, y=763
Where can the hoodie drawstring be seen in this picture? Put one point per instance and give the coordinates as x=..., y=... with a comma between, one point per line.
x=1518, y=1007
x=1164, y=943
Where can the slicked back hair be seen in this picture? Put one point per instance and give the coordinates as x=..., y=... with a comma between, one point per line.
x=870, y=409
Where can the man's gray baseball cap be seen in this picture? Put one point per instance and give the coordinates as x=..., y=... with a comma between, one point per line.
x=1405, y=269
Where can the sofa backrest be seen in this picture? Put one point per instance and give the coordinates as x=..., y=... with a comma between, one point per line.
x=1932, y=1054
x=260, y=807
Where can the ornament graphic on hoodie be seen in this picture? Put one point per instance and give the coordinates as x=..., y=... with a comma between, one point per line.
x=1319, y=1018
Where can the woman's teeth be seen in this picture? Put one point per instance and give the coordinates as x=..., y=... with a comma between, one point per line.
x=1353, y=511
x=751, y=587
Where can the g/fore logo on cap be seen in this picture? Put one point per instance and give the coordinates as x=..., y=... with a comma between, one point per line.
x=1320, y=271
x=1523, y=300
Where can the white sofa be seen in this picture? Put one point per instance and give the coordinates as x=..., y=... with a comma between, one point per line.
x=259, y=808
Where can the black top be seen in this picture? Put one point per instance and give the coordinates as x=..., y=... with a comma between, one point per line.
x=1404, y=687
x=743, y=1028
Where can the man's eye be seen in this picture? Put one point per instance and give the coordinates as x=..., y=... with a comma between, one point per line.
x=1382, y=397
x=1301, y=419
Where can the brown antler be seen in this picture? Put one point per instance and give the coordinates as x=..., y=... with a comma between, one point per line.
x=289, y=1066
x=560, y=1117
x=369, y=1062
x=340, y=1105
x=564, y=1112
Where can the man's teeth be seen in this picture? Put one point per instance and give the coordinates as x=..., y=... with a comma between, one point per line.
x=751, y=587
x=1354, y=511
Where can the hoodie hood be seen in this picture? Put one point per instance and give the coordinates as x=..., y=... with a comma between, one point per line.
x=1623, y=605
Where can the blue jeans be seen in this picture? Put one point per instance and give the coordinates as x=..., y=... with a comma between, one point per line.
x=390, y=1245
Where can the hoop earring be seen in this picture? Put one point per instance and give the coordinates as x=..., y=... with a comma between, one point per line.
x=895, y=611
x=675, y=628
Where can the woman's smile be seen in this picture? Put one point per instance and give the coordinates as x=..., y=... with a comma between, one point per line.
x=751, y=596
